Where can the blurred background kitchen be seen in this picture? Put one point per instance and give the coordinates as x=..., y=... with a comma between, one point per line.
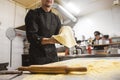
x=84, y=16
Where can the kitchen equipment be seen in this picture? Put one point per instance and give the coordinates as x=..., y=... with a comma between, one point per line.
x=99, y=52
x=83, y=48
x=3, y=66
x=115, y=39
x=9, y=75
x=52, y=69
x=10, y=72
x=113, y=50
x=79, y=51
x=10, y=34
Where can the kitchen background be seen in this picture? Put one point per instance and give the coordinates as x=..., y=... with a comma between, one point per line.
x=91, y=15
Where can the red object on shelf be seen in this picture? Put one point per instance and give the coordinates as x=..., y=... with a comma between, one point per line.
x=89, y=49
x=66, y=52
x=110, y=40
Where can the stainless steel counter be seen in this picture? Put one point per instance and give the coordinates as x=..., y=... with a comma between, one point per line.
x=61, y=58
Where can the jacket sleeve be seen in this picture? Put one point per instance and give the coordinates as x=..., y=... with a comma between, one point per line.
x=32, y=28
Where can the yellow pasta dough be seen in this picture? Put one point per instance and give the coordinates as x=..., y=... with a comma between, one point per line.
x=66, y=37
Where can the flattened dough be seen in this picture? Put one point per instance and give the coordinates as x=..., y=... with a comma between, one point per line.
x=66, y=37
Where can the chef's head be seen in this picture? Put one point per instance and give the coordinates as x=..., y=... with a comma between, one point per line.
x=97, y=35
x=47, y=3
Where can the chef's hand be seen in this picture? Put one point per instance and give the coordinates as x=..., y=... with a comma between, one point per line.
x=49, y=41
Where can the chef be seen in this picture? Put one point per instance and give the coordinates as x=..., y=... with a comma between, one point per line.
x=97, y=40
x=41, y=24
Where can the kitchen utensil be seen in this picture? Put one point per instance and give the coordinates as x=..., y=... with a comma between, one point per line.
x=52, y=69
x=10, y=72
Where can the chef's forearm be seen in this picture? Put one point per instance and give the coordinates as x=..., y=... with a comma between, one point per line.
x=48, y=41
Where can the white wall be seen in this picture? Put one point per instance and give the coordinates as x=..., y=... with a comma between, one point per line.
x=7, y=17
x=106, y=21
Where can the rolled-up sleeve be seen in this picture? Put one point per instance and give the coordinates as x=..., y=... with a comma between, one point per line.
x=32, y=28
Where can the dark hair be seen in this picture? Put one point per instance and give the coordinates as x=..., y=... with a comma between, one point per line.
x=106, y=36
x=79, y=41
x=97, y=33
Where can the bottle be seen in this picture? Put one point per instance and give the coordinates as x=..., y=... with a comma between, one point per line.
x=89, y=50
x=66, y=52
x=110, y=40
x=74, y=51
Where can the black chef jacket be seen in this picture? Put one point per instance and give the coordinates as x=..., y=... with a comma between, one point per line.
x=40, y=24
